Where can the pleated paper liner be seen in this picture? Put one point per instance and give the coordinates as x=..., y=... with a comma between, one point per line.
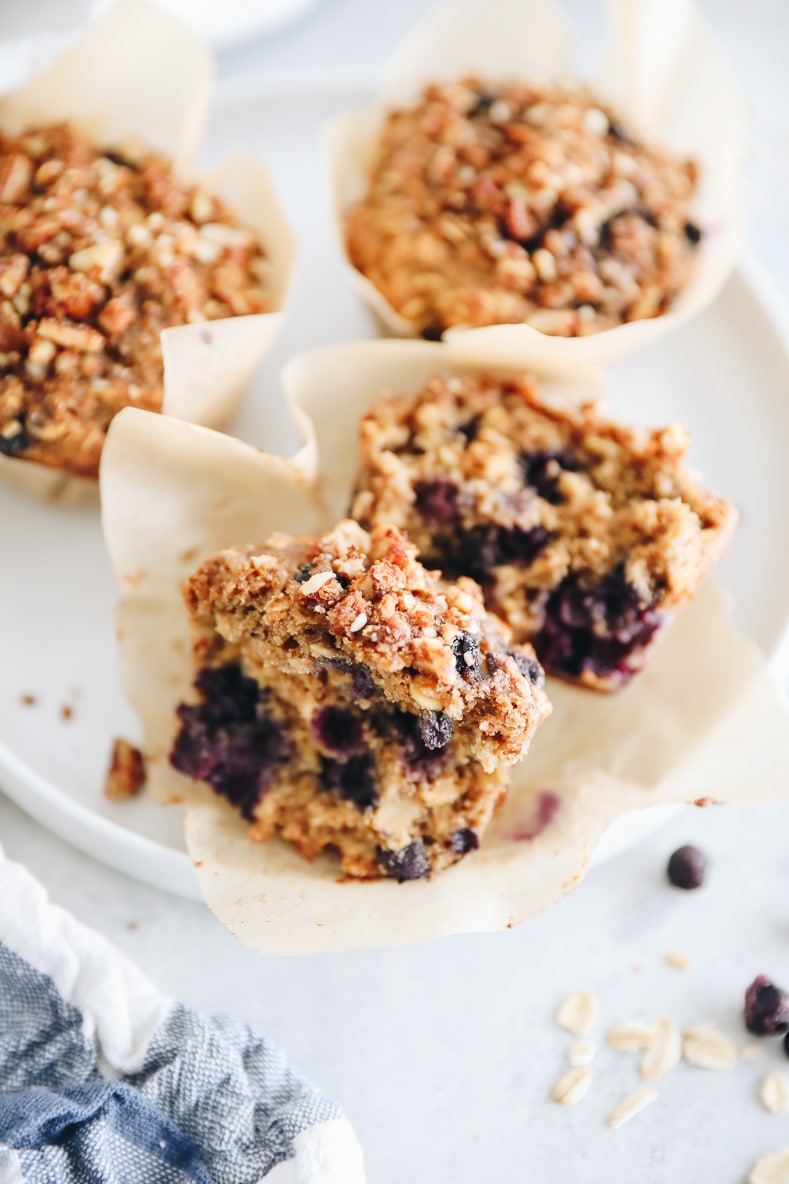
x=663, y=71
x=704, y=719
x=138, y=72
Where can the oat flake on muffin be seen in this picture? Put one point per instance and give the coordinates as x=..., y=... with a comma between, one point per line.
x=101, y=248
x=522, y=203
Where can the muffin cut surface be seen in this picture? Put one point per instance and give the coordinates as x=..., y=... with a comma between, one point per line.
x=100, y=250
x=351, y=700
x=584, y=534
x=491, y=204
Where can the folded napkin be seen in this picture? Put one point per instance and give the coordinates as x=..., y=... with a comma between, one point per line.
x=103, y=1080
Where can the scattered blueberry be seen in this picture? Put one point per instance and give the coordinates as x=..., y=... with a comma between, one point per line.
x=687, y=867
x=410, y=863
x=766, y=1008
x=354, y=780
x=338, y=730
x=542, y=470
x=437, y=501
x=467, y=654
x=303, y=574
x=436, y=729
x=464, y=840
x=693, y=233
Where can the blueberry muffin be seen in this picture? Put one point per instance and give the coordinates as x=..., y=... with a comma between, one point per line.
x=352, y=701
x=584, y=534
x=101, y=248
x=493, y=204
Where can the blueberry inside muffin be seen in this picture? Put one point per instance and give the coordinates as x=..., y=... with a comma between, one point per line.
x=352, y=701
x=584, y=534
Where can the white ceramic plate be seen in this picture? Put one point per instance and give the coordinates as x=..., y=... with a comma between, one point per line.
x=726, y=375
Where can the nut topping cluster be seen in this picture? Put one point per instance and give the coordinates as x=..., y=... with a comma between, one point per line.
x=522, y=203
x=100, y=250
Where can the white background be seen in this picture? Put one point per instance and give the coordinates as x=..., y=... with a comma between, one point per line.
x=441, y=1096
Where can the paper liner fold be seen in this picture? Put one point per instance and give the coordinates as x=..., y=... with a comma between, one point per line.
x=704, y=720
x=663, y=71
x=137, y=71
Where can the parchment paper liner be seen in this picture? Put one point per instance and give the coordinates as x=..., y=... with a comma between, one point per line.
x=137, y=71
x=705, y=719
x=663, y=71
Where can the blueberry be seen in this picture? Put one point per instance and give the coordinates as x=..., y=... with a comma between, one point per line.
x=617, y=132
x=686, y=867
x=436, y=729
x=303, y=574
x=354, y=780
x=410, y=863
x=13, y=445
x=542, y=470
x=464, y=840
x=484, y=547
x=469, y=429
x=483, y=101
x=417, y=754
x=338, y=730
x=437, y=501
x=693, y=233
x=766, y=1008
x=467, y=654
x=432, y=332
x=596, y=627
x=519, y=546
x=229, y=697
x=363, y=685
x=228, y=739
x=530, y=668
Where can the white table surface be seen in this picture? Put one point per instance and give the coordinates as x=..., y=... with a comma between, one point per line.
x=442, y=1099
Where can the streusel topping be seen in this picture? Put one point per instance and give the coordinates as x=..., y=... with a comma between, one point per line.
x=101, y=248
x=495, y=204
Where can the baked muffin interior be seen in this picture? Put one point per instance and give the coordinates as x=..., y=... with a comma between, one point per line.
x=584, y=534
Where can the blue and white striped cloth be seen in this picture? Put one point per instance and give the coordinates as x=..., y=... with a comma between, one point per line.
x=105, y=1081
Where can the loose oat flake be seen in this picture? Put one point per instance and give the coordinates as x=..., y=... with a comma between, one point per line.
x=582, y=1052
x=678, y=960
x=774, y=1093
x=631, y=1105
x=632, y=1035
x=708, y=1048
x=772, y=1168
x=578, y=1013
x=663, y=1053
x=572, y=1086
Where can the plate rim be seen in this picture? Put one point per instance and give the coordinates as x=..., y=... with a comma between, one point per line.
x=159, y=864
